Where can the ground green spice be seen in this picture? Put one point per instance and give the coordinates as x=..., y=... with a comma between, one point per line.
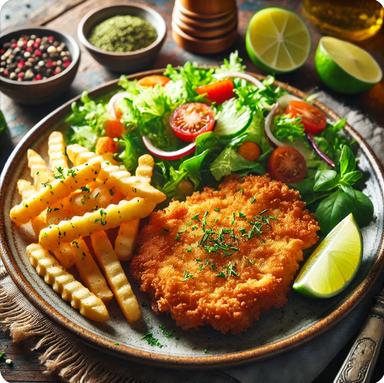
x=123, y=34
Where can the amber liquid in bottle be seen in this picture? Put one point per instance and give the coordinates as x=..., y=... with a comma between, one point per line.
x=348, y=19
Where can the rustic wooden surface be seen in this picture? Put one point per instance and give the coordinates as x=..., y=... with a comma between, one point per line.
x=65, y=15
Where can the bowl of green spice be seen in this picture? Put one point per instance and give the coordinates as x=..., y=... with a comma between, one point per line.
x=124, y=38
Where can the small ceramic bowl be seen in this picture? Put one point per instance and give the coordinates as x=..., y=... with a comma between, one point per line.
x=41, y=91
x=128, y=62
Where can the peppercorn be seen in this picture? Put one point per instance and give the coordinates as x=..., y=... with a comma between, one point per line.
x=32, y=58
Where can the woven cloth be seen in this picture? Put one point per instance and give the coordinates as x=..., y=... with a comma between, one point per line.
x=65, y=355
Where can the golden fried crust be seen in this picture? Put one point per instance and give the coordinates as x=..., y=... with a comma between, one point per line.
x=265, y=264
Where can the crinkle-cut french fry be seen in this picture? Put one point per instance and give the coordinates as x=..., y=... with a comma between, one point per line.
x=129, y=185
x=56, y=151
x=52, y=192
x=102, y=219
x=60, y=211
x=39, y=223
x=145, y=167
x=126, y=239
x=80, y=155
x=25, y=188
x=108, y=157
x=94, y=197
x=105, y=145
x=115, y=276
x=90, y=273
x=65, y=255
x=66, y=285
x=128, y=232
x=39, y=169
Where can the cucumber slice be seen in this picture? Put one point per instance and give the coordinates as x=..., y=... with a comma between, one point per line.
x=231, y=122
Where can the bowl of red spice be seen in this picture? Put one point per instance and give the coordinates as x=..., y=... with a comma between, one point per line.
x=124, y=38
x=37, y=64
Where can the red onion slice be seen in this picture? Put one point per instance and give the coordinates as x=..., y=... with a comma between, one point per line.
x=111, y=107
x=166, y=155
x=319, y=152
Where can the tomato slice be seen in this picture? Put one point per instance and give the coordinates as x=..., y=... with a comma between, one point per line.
x=218, y=91
x=313, y=118
x=152, y=81
x=190, y=120
x=287, y=165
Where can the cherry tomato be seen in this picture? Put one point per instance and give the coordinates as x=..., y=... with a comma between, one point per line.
x=190, y=120
x=287, y=165
x=249, y=150
x=152, y=81
x=218, y=91
x=313, y=118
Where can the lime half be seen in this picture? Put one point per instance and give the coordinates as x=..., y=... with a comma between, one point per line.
x=344, y=67
x=334, y=263
x=277, y=40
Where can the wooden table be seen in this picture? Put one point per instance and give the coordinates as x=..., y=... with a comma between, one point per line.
x=64, y=16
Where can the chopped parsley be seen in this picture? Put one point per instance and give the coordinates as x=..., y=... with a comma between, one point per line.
x=165, y=332
x=196, y=217
x=71, y=172
x=85, y=189
x=187, y=276
x=204, y=219
x=61, y=173
x=152, y=341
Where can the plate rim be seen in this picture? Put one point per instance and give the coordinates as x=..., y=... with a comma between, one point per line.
x=174, y=361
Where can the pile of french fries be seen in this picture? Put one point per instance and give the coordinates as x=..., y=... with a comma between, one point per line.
x=72, y=211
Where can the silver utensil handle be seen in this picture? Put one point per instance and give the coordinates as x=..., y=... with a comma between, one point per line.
x=358, y=365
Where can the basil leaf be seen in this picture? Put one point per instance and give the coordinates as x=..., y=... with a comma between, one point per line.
x=333, y=209
x=339, y=204
x=347, y=161
x=350, y=191
x=326, y=180
x=351, y=177
x=364, y=209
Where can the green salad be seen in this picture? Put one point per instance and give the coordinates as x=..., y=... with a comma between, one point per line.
x=201, y=124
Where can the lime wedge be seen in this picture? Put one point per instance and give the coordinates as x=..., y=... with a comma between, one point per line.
x=344, y=67
x=277, y=40
x=334, y=263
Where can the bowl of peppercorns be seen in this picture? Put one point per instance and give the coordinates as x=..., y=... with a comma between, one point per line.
x=124, y=38
x=37, y=64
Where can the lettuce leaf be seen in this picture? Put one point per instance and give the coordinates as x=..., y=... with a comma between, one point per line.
x=87, y=122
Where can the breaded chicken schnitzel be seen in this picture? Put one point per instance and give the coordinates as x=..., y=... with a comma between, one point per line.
x=223, y=257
